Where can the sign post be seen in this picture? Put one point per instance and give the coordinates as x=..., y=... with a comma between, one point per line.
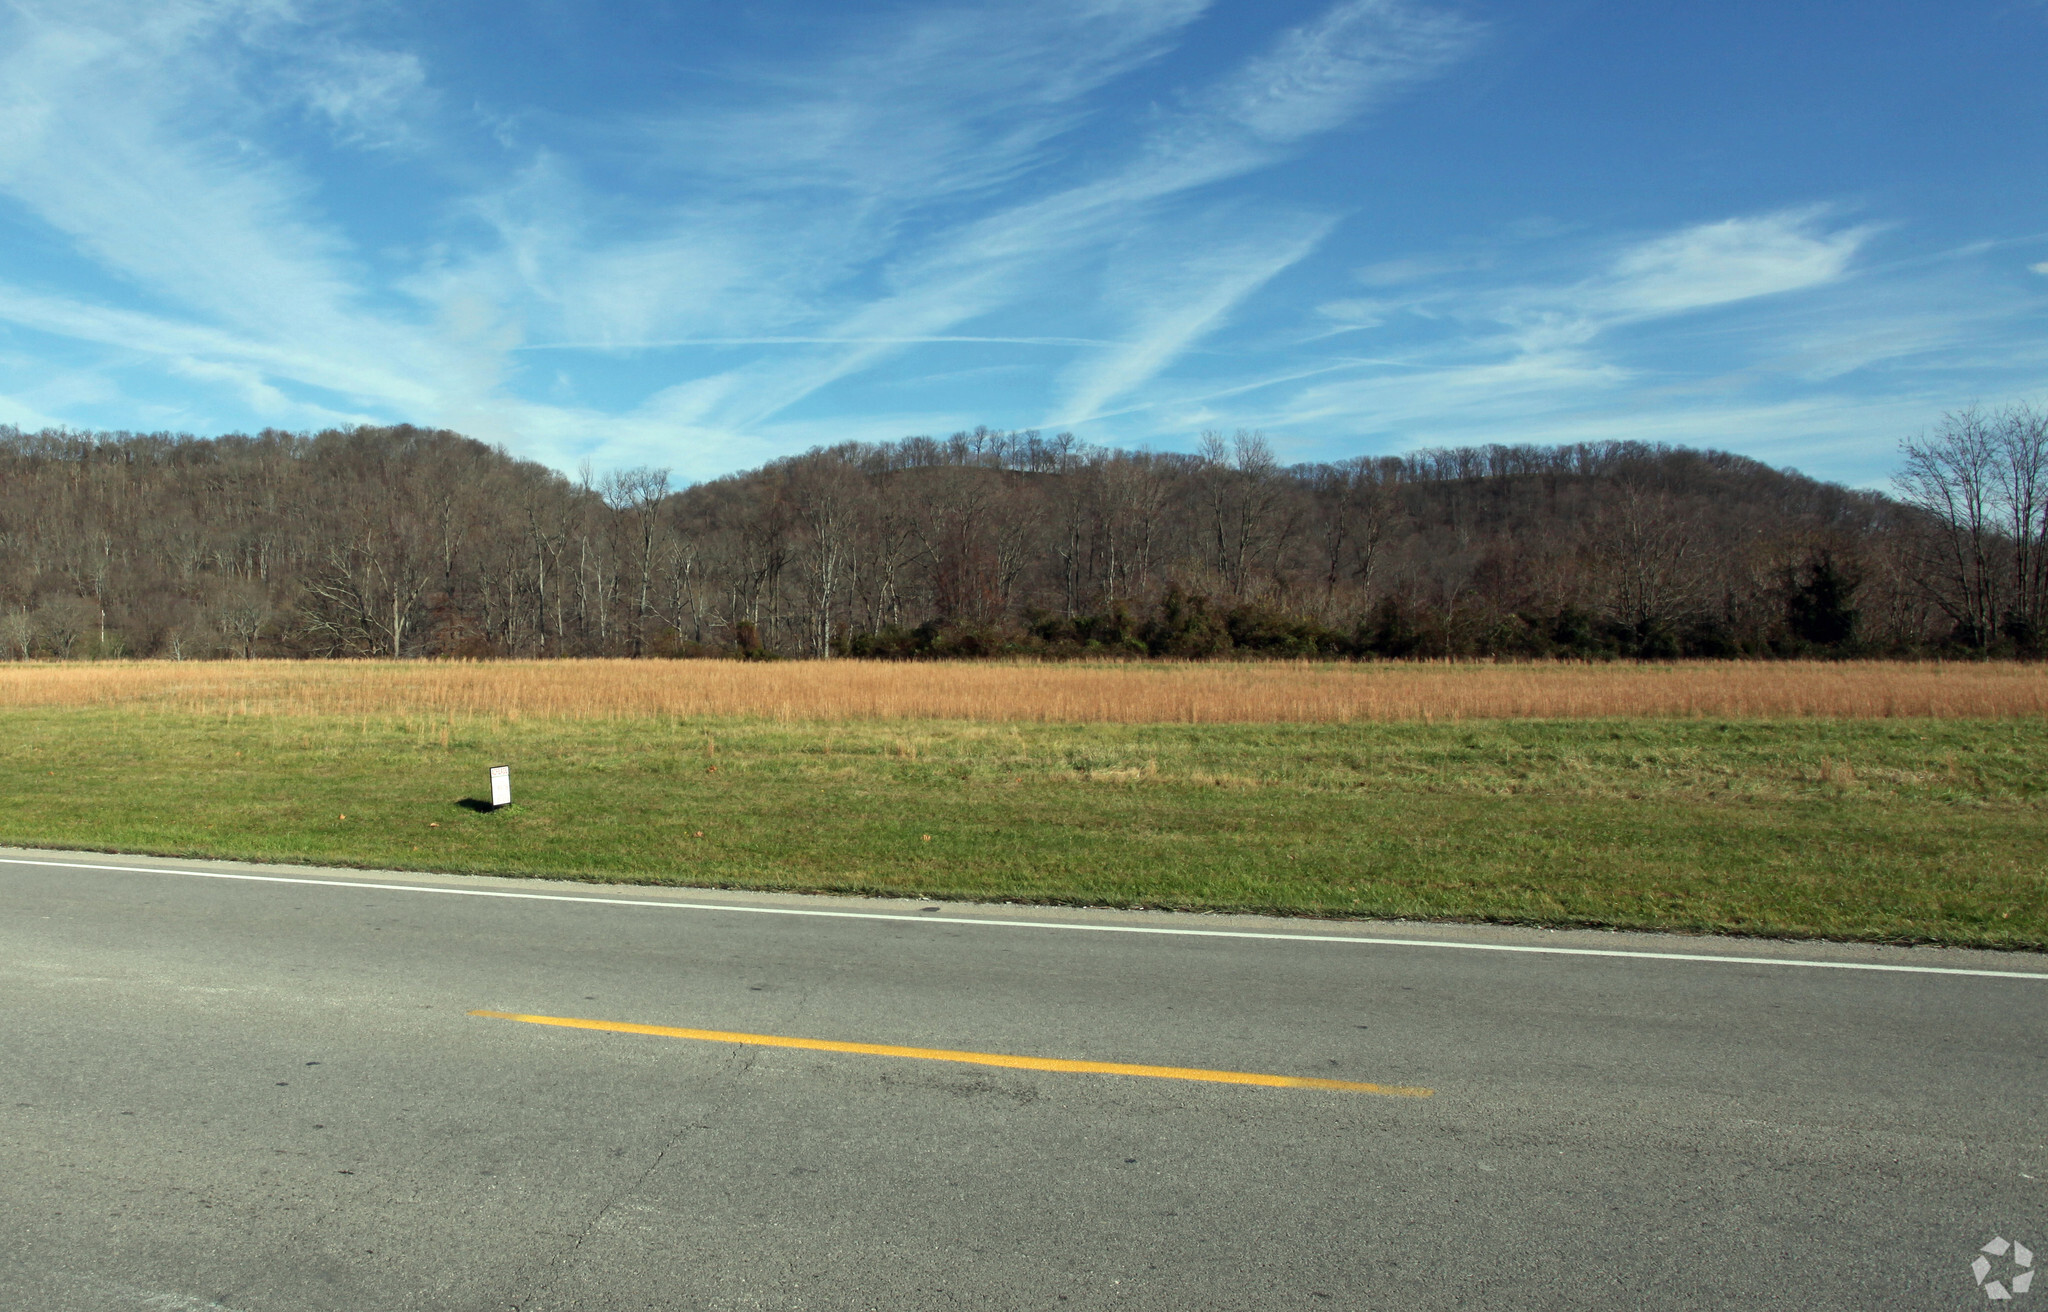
x=501, y=786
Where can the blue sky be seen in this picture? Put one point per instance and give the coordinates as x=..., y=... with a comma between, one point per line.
x=700, y=235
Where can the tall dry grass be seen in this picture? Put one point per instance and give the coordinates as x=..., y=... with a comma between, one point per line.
x=1127, y=694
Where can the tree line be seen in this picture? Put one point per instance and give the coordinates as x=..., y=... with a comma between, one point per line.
x=404, y=541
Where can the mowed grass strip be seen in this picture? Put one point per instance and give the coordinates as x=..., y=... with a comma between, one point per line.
x=1892, y=830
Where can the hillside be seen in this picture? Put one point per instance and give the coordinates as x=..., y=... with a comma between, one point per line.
x=405, y=541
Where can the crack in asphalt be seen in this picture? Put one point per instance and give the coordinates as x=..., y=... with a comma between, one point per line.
x=563, y=1263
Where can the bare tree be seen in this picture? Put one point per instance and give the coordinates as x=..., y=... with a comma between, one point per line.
x=636, y=495
x=1645, y=552
x=415, y=542
x=2021, y=434
x=17, y=634
x=1360, y=500
x=1954, y=475
x=1243, y=491
x=822, y=493
x=61, y=621
x=239, y=616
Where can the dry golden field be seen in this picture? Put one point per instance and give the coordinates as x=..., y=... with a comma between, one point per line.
x=1075, y=693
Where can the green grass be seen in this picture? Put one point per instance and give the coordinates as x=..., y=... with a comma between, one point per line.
x=1937, y=831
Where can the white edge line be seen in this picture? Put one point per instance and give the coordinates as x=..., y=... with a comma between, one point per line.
x=1047, y=924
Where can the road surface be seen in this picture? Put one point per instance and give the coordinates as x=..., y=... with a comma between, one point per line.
x=274, y=1094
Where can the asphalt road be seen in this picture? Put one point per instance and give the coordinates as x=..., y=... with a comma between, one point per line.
x=229, y=1093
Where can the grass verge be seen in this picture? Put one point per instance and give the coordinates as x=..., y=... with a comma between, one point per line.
x=1890, y=830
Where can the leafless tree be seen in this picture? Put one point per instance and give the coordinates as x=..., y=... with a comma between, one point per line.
x=1979, y=478
x=418, y=542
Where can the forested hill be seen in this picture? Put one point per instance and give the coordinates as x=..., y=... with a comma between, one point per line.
x=405, y=541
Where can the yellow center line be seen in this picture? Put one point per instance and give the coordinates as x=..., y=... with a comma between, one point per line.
x=973, y=1058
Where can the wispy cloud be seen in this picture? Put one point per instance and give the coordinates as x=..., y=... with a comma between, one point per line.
x=1732, y=260
x=919, y=111
x=1770, y=331
x=928, y=339
x=832, y=214
x=155, y=188
x=1173, y=302
x=367, y=97
x=1325, y=73
x=1311, y=78
x=767, y=212
x=702, y=277
x=1413, y=269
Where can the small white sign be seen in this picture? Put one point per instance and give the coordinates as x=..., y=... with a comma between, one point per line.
x=501, y=786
